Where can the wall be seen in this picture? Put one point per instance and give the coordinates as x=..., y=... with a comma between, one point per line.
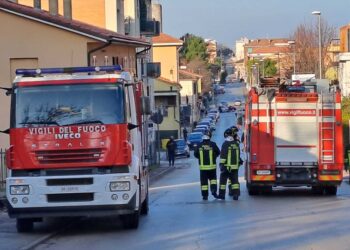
x=169, y=61
x=88, y=11
x=131, y=8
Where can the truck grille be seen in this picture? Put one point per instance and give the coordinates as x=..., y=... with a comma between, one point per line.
x=68, y=156
x=78, y=197
x=69, y=182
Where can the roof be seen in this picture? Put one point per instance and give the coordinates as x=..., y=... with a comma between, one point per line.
x=169, y=82
x=184, y=74
x=74, y=26
x=164, y=39
x=268, y=42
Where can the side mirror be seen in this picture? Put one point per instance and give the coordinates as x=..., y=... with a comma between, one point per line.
x=8, y=92
x=132, y=126
x=6, y=131
x=145, y=105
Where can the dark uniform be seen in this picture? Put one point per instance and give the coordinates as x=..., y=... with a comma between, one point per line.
x=171, y=147
x=347, y=158
x=230, y=161
x=233, y=130
x=207, y=152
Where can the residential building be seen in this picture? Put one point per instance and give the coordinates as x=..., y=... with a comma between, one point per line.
x=157, y=15
x=45, y=40
x=344, y=60
x=277, y=49
x=330, y=60
x=165, y=50
x=240, y=69
x=191, y=84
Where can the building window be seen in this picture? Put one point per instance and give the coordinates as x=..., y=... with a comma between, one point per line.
x=115, y=60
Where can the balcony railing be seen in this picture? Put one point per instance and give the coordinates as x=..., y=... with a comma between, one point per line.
x=150, y=28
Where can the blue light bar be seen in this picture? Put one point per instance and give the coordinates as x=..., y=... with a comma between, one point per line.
x=296, y=89
x=35, y=72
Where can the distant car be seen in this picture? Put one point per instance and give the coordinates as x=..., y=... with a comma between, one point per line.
x=194, y=139
x=237, y=102
x=215, y=112
x=182, y=149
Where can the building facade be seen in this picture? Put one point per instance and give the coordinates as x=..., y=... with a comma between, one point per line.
x=165, y=50
x=58, y=42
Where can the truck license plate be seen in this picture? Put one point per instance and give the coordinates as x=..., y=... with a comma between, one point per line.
x=69, y=189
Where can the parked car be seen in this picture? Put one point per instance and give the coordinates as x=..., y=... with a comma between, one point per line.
x=237, y=102
x=206, y=127
x=215, y=112
x=182, y=149
x=194, y=139
x=210, y=125
x=200, y=130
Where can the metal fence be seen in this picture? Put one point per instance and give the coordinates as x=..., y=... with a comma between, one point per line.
x=3, y=170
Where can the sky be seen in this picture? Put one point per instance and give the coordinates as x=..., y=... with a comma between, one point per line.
x=228, y=20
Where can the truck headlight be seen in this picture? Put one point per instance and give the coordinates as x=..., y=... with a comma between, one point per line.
x=19, y=190
x=119, y=186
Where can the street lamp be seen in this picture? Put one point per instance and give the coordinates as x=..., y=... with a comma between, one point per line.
x=292, y=43
x=318, y=13
x=263, y=68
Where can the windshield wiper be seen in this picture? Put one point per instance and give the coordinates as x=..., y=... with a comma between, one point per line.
x=40, y=123
x=85, y=122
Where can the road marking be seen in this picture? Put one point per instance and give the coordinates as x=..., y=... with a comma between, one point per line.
x=175, y=186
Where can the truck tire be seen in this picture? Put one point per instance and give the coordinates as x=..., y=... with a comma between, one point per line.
x=131, y=221
x=317, y=190
x=266, y=190
x=24, y=225
x=145, y=206
x=331, y=190
x=252, y=190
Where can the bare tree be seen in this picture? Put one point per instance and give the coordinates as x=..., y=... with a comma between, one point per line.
x=200, y=67
x=307, y=45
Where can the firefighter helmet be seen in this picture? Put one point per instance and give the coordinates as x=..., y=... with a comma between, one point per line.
x=206, y=135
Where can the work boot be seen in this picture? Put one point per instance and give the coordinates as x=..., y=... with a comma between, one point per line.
x=221, y=197
x=215, y=195
x=235, y=197
x=205, y=198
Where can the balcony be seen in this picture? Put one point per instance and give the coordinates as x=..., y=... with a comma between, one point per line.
x=150, y=28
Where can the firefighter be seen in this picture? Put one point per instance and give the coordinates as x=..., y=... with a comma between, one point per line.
x=230, y=160
x=347, y=158
x=231, y=130
x=206, y=153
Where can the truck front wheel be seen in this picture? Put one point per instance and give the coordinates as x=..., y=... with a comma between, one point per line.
x=24, y=225
x=145, y=206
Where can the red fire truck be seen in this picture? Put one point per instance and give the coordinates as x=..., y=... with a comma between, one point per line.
x=293, y=138
x=76, y=145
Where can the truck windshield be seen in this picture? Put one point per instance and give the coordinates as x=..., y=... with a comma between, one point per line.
x=62, y=105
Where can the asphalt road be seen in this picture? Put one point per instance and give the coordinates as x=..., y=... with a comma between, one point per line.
x=179, y=219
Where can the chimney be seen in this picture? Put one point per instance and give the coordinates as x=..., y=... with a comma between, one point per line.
x=53, y=7
x=37, y=4
x=67, y=9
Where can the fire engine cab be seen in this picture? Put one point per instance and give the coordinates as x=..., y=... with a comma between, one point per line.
x=293, y=138
x=76, y=145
